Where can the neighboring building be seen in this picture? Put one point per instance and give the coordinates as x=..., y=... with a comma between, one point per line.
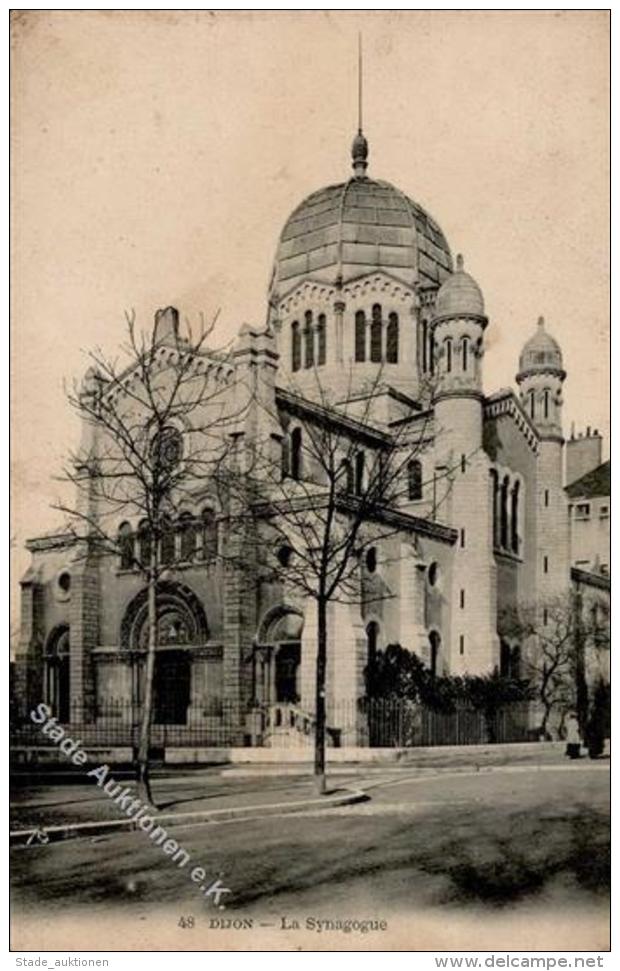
x=363, y=283
x=589, y=498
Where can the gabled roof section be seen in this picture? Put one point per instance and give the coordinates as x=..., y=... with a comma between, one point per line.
x=597, y=482
x=590, y=579
x=364, y=431
x=505, y=402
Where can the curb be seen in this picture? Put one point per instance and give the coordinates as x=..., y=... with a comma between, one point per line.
x=55, y=834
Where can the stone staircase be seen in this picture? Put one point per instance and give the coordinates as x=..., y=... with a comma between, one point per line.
x=286, y=725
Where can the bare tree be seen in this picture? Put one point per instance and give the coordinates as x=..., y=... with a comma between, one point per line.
x=331, y=494
x=154, y=432
x=561, y=633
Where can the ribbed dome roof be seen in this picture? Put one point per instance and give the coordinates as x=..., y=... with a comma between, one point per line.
x=354, y=228
x=541, y=351
x=460, y=294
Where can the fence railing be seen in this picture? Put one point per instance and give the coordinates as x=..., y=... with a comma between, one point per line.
x=369, y=722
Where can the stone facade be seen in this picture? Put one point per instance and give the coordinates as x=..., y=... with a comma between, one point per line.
x=370, y=326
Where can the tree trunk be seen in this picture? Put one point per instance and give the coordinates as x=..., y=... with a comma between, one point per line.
x=144, y=784
x=321, y=663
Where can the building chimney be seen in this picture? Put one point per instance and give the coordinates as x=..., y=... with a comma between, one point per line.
x=583, y=454
x=166, y=326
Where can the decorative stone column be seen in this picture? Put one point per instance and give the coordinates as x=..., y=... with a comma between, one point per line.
x=261, y=674
x=408, y=338
x=339, y=308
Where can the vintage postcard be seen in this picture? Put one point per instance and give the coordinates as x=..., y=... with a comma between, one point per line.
x=311, y=481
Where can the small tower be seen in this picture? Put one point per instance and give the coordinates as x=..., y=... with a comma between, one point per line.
x=457, y=332
x=540, y=379
x=464, y=498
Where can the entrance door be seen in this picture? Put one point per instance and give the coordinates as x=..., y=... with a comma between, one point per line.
x=287, y=670
x=171, y=688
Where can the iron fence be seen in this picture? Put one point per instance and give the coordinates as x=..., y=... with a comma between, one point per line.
x=369, y=722
x=403, y=724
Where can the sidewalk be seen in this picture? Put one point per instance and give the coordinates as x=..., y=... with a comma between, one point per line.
x=54, y=805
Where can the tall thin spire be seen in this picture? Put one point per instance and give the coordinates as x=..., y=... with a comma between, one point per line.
x=359, y=149
x=359, y=82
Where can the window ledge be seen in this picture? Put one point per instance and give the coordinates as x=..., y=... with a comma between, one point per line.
x=508, y=554
x=183, y=565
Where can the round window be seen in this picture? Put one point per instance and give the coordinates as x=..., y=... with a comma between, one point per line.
x=433, y=574
x=63, y=585
x=371, y=560
x=167, y=447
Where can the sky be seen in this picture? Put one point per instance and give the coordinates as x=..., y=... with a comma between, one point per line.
x=157, y=155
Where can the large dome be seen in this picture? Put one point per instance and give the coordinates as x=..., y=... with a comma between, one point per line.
x=357, y=227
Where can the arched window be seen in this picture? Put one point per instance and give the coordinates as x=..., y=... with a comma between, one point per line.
x=514, y=518
x=125, y=543
x=435, y=644
x=448, y=343
x=309, y=339
x=360, y=336
x=515, y=662
x=495, y=498
x=321, y=339
x=503, y=520
x=424, y=346
x=296, y=460
x=188, y=534
x=346, y=476
x=546, y=403
x=376, y=334
x=209, y=534
x=167, y=544
x=359, y=473
x=465, y=352
x=532, y=403
x=414, y=479
x=285, y=457
x=391, y=350
x=295, y=346
x=58, y=674
x=431, y=354
x=144, y=543
x=504, y=659
x=372, y=642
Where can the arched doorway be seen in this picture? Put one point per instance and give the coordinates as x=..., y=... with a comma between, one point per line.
x=181, y=624
x=277, y=658
x=58, y=674
x=287, y=660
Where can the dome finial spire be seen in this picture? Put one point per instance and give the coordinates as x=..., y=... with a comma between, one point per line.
x=541, y=321
x=359, y=149
x=359, y=82
x=460, y=263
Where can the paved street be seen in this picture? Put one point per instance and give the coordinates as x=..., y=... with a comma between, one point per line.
x=511, y=840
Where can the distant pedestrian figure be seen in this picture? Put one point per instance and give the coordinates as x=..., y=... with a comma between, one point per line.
x=573, y=737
